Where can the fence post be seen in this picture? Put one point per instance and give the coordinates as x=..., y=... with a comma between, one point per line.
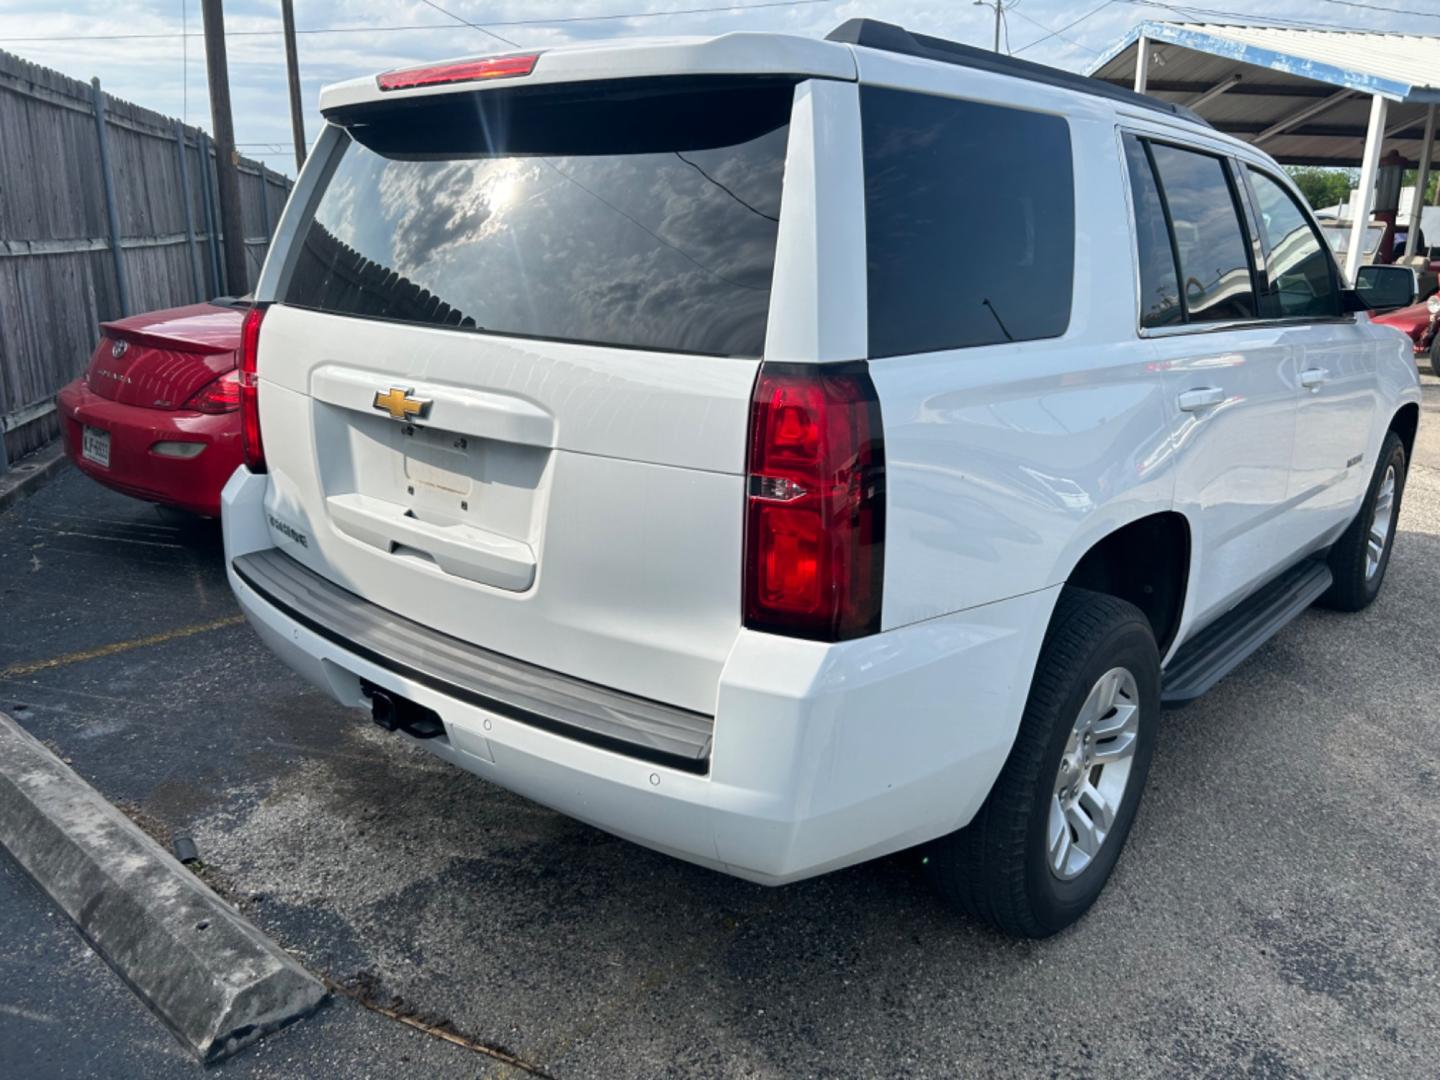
x=112, y=211
x=189, y=210
x=212, y=229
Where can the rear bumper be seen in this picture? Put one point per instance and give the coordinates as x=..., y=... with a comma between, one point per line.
x=822, y=755
x=135, y=468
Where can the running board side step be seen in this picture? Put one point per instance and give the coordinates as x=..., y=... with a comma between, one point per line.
x=1226, y=643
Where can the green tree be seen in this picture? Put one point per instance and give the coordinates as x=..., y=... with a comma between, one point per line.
x=1411, y=175
x=1322, y=187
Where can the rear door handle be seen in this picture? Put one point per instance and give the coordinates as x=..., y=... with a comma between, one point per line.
x=1315, y=377
x=1202, y=397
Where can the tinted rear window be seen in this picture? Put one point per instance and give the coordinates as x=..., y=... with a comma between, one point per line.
x=635, y=214
x=1159, y=280
x=969, y=222
x=1209, y=239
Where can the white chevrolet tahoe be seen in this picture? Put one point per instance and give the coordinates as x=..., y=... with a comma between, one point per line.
x=782, y=452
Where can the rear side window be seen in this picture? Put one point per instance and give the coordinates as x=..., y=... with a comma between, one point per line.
x=1299, y=271
x=969, y=222
x=1159, y=284
x=1210, y=242
x=637, y=213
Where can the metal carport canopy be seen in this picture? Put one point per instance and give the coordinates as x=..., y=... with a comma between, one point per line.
x=1307, y=97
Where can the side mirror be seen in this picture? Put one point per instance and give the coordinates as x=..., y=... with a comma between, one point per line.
x=1378, y=288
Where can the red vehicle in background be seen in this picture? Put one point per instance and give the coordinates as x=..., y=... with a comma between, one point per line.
x=157, y=415
x=1418, y=322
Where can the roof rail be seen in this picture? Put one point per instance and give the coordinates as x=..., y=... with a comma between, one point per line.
x=874, y=34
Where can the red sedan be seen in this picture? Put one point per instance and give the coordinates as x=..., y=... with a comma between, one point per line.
x=1418, y=322
x=156, y=415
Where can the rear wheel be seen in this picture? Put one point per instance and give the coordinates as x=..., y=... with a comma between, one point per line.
x=1361, y=555
x=1044, y=843
x=1435, y=355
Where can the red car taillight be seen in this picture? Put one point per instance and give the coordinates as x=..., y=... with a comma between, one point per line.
x=815, y=504
x=251, y=446
x=220, y=396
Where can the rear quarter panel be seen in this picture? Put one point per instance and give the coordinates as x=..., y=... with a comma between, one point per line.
x=1005, y=463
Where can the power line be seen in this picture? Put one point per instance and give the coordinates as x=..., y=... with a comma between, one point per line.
x=431, y=26
x=1386, y=10
x=655, y=14
x=1057, y=33
x=1050, y=34
x=1190, y=12
x=473, y=26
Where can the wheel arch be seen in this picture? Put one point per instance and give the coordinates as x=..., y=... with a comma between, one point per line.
x=1406, y=423
x=1145, y=562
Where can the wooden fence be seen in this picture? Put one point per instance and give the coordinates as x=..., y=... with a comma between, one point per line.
x=106, y=209
x=355, y=283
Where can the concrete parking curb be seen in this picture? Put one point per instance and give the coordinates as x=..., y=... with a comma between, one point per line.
x=31, y=473
x=215, y=980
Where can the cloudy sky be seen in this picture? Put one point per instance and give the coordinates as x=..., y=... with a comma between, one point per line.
x=151, y=51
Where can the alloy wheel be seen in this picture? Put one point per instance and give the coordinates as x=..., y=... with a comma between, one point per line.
x=1381, y=522
x=1093, y=774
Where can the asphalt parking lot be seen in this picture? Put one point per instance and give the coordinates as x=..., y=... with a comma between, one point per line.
x=1275, y=913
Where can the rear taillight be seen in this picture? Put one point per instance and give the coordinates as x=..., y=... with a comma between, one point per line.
x=252, y=447
x=489, y=67
x=815, y=504
x=220, y=396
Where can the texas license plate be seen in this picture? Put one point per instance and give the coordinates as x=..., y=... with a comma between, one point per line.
x=96, y=446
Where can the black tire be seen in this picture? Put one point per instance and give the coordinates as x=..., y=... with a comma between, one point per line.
x=1435, y=356
x=1354, y=588
x=997, y=868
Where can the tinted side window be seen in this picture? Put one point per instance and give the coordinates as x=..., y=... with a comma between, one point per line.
x=969, y=222
x=1159, y=283
x=1297, y=261
x=1214, y=267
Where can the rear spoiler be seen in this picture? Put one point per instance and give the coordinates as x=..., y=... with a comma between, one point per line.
x=727, y=54
x=176, y=338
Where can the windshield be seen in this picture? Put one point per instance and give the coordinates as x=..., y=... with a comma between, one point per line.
x=1339, y=238
x=639, y=214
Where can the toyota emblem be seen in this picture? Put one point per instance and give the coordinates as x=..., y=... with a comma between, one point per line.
x=118, y=349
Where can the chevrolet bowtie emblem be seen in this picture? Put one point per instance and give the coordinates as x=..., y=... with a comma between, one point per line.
x=401, y=406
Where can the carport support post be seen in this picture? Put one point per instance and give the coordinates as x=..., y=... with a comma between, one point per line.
x=1369, y=166
x=112, y=210
x=1142, y=64
x=1422, y=177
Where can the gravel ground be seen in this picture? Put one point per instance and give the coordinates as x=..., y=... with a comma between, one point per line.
x=1275, y=913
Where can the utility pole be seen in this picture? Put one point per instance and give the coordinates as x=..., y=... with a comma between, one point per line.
x=237, y=278
x=292, y=69
x=999, y=6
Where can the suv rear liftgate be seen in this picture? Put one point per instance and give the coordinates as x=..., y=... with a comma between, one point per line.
x=505, y=386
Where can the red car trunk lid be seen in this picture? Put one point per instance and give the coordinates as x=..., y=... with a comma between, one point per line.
x=160, y=359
